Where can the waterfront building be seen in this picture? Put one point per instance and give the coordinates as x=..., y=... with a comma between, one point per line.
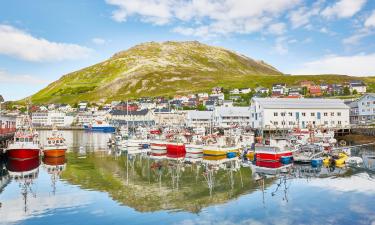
x=198, y=119
x=287, y=113
x=144, y=117
x=229, y=116
x=362, y=111
x=51, y=118
x=167, y=117
x=7, y=124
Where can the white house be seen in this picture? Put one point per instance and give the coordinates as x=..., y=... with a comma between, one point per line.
x=198, y=118
x=245, y=90
x=231, y=116
x=365, y=109
x=142, y=117
x=285, y=113
x=359, y=87
x=235, y=91
x=59, y=119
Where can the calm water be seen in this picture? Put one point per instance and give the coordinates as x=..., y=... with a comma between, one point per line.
x=96, y=185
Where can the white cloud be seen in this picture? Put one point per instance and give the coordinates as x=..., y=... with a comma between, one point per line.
x=211, y=17
x=277, y=28
x=370, y=21
x=20, y=44
x=281, y=45
x=99, y=41
x=343, y=8
x=355, y=38
x=301, y=16
x=9, y=78
x=356, y=65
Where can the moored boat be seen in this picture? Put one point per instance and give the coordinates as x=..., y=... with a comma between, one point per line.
x=158, y=148
x=100, y=126
x=24, y=146
x=270, y=153
x=56, y=145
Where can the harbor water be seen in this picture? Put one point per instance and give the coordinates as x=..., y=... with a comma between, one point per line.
x=95, y=184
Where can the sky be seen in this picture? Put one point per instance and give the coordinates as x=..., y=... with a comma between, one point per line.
x=41, y=40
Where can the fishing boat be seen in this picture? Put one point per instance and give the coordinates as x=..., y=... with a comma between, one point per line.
x=56, y=145
x=100, y=126
x=214, y=152
x=24, y=146
x=271, y=153
x=158, y=148
x=174, y=148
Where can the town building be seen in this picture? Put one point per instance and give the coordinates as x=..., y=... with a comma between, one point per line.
x=357, y=86
x=363, y=111
x=51, y=118
x=166, y=117
x=287, y=113
x=198, y=119
x=229, y=116
x=144, y=117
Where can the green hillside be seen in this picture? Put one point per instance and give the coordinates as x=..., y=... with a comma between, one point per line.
x=153, y=69
x=166, y=69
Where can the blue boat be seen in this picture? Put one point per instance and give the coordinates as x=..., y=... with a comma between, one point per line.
x=231, y=155
x=100, y=126
x=316, y=162
x=286, y=159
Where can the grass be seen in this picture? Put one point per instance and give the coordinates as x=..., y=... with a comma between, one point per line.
x=190, y=67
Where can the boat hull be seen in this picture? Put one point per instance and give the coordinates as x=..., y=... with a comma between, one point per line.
x=108, y=129
x=22, y=165
x=54, y=152
x=272, y=156
x=176, y=149
x=22, y=154
x=54, y=161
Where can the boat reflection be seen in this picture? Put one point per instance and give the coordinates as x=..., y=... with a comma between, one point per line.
x=24, y=173
x=54, y=166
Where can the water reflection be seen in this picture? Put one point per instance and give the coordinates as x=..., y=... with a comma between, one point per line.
x=101, y=185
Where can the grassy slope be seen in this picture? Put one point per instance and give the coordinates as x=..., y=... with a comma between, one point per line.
x=165, y=69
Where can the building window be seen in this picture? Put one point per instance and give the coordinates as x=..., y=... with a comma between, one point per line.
x=290, y=114
x=338, y=114
x=303, y=114
x=275, y=123
x=290, y=122
x=332, y=114
x=283, y=123
x=326, y=122
x=283, y=114
x=325, y=114
x=312, y=114
x=275, y=114
x=339, y=122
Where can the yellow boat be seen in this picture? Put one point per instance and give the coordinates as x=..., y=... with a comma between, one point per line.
x=218, y=151
x=214, y=157
x=338, y=160
x=250, y=156
x=341, y=160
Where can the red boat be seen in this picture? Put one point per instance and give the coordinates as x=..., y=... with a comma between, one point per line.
x=271, y=154
x=176, y=149
x=269, y=164
x=24, y=146
x=18, y=166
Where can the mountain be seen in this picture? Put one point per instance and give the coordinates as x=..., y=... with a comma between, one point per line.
x=153, y=69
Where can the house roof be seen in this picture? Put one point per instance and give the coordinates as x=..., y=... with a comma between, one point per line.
x=301, y=103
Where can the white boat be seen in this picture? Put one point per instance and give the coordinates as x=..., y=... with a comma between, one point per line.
x=194, y=149
x=354, y=161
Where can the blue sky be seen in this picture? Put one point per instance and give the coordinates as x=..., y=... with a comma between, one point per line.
x=40, y=40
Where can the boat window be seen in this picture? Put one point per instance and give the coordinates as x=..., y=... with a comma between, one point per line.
x=49, y=142
x=17, y=139
x=22, y=139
